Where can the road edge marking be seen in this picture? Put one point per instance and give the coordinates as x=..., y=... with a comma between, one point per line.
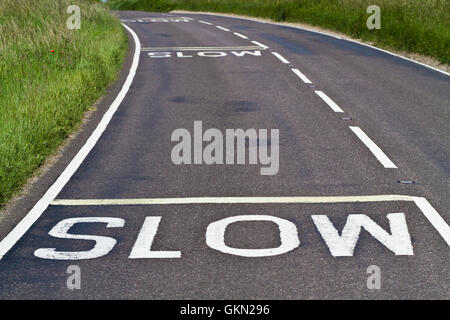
x=33, y=215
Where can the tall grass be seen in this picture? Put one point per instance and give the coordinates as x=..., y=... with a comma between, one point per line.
x=43, y=94
x=421, y=26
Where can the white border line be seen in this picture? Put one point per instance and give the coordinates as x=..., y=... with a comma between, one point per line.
x=229, y=200
x=377, y=152
x=319, y=32
x=204, y=22
x=328, y=101
x=301, y=76
x=22, y=227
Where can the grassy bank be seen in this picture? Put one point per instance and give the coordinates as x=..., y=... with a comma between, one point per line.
x=420, y=26
x=49, y=75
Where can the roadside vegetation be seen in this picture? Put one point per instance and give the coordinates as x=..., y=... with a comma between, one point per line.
x=419, y=26
x=49, y=76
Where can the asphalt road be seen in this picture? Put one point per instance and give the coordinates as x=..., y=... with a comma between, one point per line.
x=192, y=70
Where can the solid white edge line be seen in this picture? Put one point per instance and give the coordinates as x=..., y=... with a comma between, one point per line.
x=204, y=22
x=301, y=76
x=259, y=44
x=240, y=35
x=328, y=101
x=280, y=57
x=222, y=28
x=433, y=216
x=326, y=34
x=22, y=227
x=376, y=151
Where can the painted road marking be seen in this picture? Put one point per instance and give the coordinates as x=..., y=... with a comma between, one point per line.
x=209, y=54
x=340, y=244
x=329, y=35
x=343, y=245
x=230, y=200
x=280, y=57
x=222, y=28
x=229, y=48
x=429, y=212
x=177, y=19
x=376, y=151
x=21, y=228
x=204, y=22
x=301, y=76
x=328, y=101
x=215, y=236
x=240, y=35
x=259, y=44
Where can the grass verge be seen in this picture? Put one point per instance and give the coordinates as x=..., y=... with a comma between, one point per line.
x=49, y=76
x=416, y=26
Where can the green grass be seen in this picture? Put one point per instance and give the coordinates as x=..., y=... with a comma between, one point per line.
x=44, y=94
x=420, y=26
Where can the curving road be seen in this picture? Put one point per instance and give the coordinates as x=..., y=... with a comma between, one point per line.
x=352, y=122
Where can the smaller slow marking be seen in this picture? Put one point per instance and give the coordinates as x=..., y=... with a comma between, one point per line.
x=204, y=22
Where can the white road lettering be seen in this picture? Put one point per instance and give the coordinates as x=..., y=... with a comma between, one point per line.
x=212, y=54
x=243, y=53
x=159, y=54
x=103, y=245
x=215, y=234
x=143, y=246
x=398, y=242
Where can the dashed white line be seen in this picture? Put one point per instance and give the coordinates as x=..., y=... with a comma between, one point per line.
x=280, y=57
x=222, y=28
x=21, y=228
x=301, y=76
x=240, y=35
x=328, y=101
x=259, y=44
x=377, y=152
x=204, y=22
